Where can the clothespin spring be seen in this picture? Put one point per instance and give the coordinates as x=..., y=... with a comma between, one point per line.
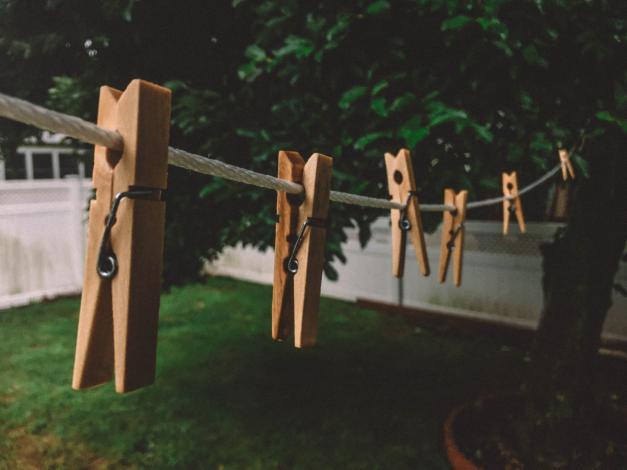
x=107, y=265
x=404, y=222
x=451, y=243
x=292, y=262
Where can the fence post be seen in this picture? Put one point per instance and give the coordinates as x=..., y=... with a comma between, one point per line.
x=77, y=214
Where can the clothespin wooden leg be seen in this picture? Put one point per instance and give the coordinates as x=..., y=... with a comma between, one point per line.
x=312, y=222
x=402, y=189
x=452, y=239
x=510, y=190
x=126, y=293
x=93, y=363
x=460, y=220
x=287, y=212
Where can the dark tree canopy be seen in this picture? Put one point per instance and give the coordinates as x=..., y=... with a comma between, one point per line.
x=471, y=88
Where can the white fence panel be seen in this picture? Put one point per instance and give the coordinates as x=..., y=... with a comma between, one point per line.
x=42, y=238
x=501, y=280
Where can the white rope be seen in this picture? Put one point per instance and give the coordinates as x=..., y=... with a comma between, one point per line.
x=28, y=113
x=526, y=189
x=209, y=166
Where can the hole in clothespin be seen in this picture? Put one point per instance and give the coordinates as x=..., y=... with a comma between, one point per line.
x=295, y=199
x=510, y=186
x=398, y=177
x=113, y=158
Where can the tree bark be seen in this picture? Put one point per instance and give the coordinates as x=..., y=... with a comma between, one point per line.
x=579, y=270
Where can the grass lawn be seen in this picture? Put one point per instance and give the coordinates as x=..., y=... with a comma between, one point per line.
x=372, y=394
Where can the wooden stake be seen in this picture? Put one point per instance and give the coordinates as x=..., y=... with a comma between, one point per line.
x=117, y=329
x=402, y=188
x=452, y=239
x=510, y=189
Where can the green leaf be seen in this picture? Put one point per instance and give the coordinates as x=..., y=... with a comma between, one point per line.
x=246, y=133
x=402, y=101
x=127, y=12
x=532, y=56
x=378, y=106
x=255, y=53
x=248, y=72
x=378, y=7
x=446, y=115
x=364, y=234
x=413, y=131
x=493, y=25
x=605, y=116
x=483, y=133
x=504, y=47
x=581, y=164
x=298, y=46
x=539, y=161
x=526, y=102
x=351, y=95
x=382, y=85
x=343, y=21
x=489, y=183
x=541, y=143
x=456, y=22
x=609, y=117
x=367, y=139
x=315, y=24
x=330, y=272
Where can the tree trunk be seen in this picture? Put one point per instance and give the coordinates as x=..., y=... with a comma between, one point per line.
x=579, y=270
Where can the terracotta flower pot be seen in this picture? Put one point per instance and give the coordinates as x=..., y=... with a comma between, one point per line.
x=455, y=456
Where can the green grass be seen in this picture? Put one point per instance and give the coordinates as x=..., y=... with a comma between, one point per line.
x=372, y=394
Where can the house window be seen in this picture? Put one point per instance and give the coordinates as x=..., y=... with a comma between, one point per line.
x=42, y=166
x=68, y=165
x=15, y=167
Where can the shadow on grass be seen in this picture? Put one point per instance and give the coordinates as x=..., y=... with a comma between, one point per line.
x=372, y=394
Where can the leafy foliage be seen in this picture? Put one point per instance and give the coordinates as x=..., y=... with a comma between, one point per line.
x=472, y=88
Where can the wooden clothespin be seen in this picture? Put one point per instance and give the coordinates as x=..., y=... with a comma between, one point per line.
x=402, y=188
x=453, y=234
x=117, y=329
x=567, y=167
x=510, y=190
x=299, y=247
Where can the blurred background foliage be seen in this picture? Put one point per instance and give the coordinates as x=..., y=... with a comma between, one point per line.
x=471, y=88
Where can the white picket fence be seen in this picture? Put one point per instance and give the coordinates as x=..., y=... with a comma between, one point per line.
x=42, y=238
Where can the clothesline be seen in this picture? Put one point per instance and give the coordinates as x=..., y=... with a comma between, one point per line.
x=72, y=126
